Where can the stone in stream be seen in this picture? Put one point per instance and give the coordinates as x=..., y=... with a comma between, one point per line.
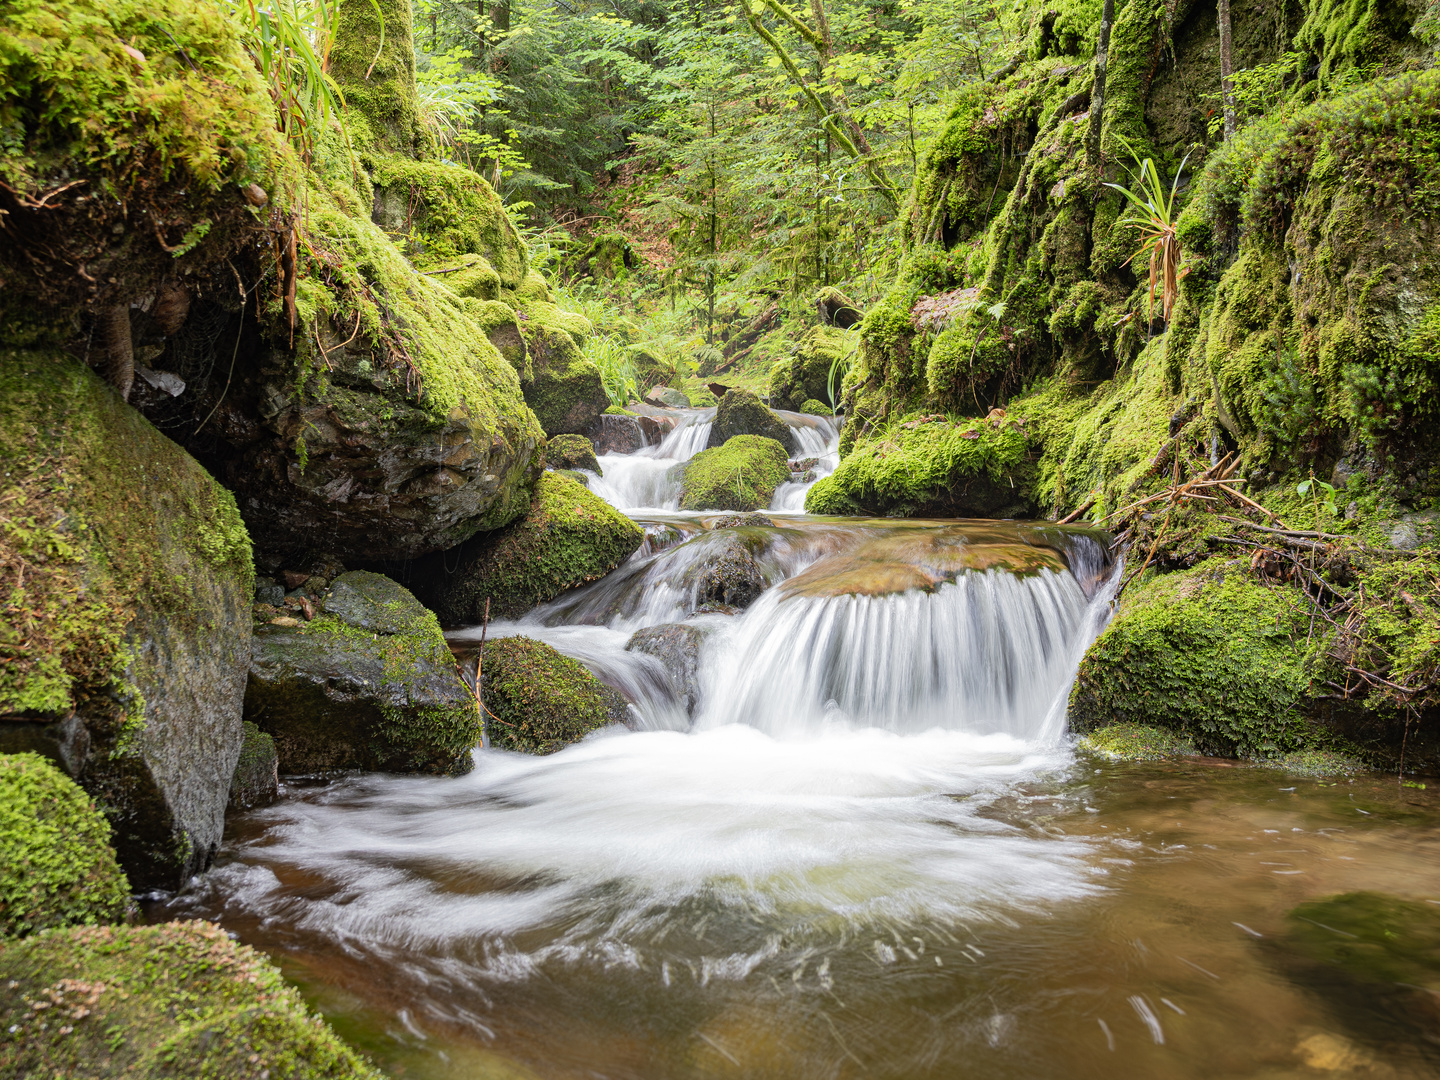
x=257, y=774
x=571, y=452
x=741, y=475
x=130, y=627
x=568, y=538
x=541, y=700
x=617, y=433
x=739, y=521
x=726, y=573
x=677, y=647
x=179, y=999
x=742, y=413
x=667, y=396
x=367, y=684
x=57, y=867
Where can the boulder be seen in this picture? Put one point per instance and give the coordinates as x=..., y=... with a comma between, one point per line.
x=608, y=257
x=126, y=613
x=256, y=781
x=667, y=396
x=367, y=684
x=725, y=573
x=565, y=389
x=540, y=699
x=677, y=647
x=626, y=432
x=805, y=375
x=741, y=475
x=741, y=521
x=571, y=452
x=181, y=999
x=472, y=276
x=816, y=408
x=742, y=413
x=57, y=867
x=501, y=326
x=568, y=538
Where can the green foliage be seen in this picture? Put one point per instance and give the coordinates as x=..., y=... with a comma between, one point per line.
x=740, y=475
x=1155, y=221
x=1135, y=742
x=56, y=864
x=617, y=367
x=541, y=700
x=178, y=1000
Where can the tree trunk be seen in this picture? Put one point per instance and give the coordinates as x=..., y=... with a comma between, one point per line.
x=1227, y=68
x=1097, y=95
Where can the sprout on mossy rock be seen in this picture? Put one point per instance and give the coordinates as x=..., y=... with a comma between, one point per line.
x=569, y=537
x=571, y=452
x=181, y=999
x=741, y=475
x=742, y=413
x=57, y=867
x=540, y=699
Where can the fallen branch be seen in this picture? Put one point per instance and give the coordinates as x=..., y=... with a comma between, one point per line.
x=1068, y=518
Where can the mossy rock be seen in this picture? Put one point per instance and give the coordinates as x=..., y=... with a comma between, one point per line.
x=742, y=413
x=542, y=700
x=502, y=328
x=1210, y=654
x=1135, y=742
x=741, y=475
x=607, y=257
x=816, y=408
x=475, y=277
x=372, y=60
x=569, y=537
x=56, y=864
x=651, y=369
x=257, y=774
x=177, y=1000
x=805, y=374
x=565, y=390
x=128, y=636
x=84, y=118
x=367, y=684
x=931, y=467
x=571, y=452
x=532, y=289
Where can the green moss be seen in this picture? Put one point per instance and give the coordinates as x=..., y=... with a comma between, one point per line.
x=1135, y=742
x=178, y=1000
x=445, y=212
x=534, y=289
x=742, y=413
x=740, y=475
x=616, y=410
x=475, y=278
x=56, y=864
x=541, y=700
x=568, y=538
x=372, y=60
x=1317, y=763
x=607, y=257
x=571, y=452
x=502, y=328
x=1223, y=660
x=255, y=779
x=1375, y=939
x=816, y=408
x=805, y=374
x=566, y=392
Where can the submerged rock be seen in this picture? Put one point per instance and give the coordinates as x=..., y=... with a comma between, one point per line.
x=741, y=475
x=57, y=867
x=571, y=452
x=568, y=538
x=742, y=521
x=542, y=700
x=726, y=574
x=128, y=635
x=742, y=413
x=257, y=774
x=677, y=647
x=181, y=999
x=1135, y=742
x=367, y=684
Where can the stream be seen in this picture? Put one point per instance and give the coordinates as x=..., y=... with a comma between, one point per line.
x=862, y=847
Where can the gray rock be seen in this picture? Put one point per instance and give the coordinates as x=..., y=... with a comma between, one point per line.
x=268, y=592
x=737, y=521
x=256, y=781
x=367, y=684
x=726, y=573
x=1411, y=531
x=667, y=396
x=677, y=647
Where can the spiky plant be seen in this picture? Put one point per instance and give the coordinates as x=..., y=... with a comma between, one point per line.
x=1153, y=216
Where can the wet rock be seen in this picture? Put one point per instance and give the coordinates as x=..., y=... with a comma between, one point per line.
x=257, y=777
x=739, y=521
x=565, y=391
x=581, y=478
x=268, y=591
x=727, y=573
x=742, y=413
x=541, y=699
x=568, y=538
x=741, y=475
x=571, y=452
x=138, y=637
x=677, y=647
x=1412, y=531
x=611, y=434
x=667, y=396
x=813, y=407
x=367, y=684
x=171, y=1000
x=56, y=864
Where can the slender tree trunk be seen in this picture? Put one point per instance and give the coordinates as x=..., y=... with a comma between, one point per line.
x=1227, y=69
x=1097, y=95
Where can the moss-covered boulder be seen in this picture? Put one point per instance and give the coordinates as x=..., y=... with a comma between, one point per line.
x=1127, y=741
x=929, y=466
x=571, y=452
x=501, y=326
x=56, y=864
x=741, y=475
x=568, y=538
x=565, y=389
x=257, y=774
x=471, y=276
x=805, y=375
x=1209, y=653
x=816, y=408
x=540, y=699
x=607, y=257
x=742, y=413
x=178, y=1000
x=125, y=590
x=368, y=683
